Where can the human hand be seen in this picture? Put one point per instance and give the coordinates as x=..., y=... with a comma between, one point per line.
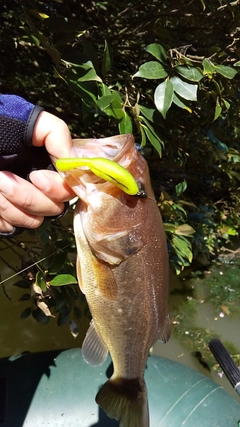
x=25, y=204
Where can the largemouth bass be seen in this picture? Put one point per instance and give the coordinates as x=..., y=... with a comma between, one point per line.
x=122, y=268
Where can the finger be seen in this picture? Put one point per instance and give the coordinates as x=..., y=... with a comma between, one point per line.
x=52, y=132
x=25, y=197
x=52, y=185
x=5, y=227
x=12, y=216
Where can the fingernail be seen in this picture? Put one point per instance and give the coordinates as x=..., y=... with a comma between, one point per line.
x=40, y=180
x=6, y=183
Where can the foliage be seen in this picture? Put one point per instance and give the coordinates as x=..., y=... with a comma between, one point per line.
x=223, y=290
x=166, y=71
x=47, y=258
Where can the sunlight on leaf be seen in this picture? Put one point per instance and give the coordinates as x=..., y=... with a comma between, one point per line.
x=226, y=71
x=192, y=74
x=185, y=90
x=184, y=230
x=157, y=51
x=62, y=280
x=163, y=97
x=151, y=70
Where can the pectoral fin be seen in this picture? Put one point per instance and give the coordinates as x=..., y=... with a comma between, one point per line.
x=106, y=283
x=94, y=350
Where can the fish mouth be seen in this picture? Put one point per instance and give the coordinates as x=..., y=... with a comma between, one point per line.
x=118, y=148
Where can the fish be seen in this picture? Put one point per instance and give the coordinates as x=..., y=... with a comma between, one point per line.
x=123, y=270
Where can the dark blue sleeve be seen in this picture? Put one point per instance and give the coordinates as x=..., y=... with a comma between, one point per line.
x=17, y=121
x=15, y=107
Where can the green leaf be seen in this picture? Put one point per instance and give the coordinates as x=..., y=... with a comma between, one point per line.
x=157, y=51
x=226, y=71
x=83, y=91
x=233, y=174
x=104, y=102
x=177, y=101
x=163, y=97
x=185, y=90
x=153, y=139
x=151, y=70
x=184, y=230
x=147, y=112
x=151, y=114
x=183, y=247
x=105, y=90
x=233, y=156
x=125, y=125
x=171, y=228
x=89, y=75
x=192, y=73
x=115, y=109
x=62, y=280
x=36, y=40
x=237, y=64
x=218, y=110
x=41, y=281
x=226, y=103
x=58, y=263
x=143, y=135
x=154, y=133
x=111, y=104
x=180, y=188
x=208, y=67
x=106, y=61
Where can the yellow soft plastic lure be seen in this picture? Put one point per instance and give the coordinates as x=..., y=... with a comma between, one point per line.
x=104, y=168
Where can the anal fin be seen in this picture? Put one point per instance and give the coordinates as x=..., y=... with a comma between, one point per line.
x=94, y=351
x=165, y=331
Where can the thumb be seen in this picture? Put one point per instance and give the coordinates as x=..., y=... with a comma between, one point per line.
x=52, y=132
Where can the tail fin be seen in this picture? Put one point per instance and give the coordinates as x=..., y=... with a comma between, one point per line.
x=126, y=400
